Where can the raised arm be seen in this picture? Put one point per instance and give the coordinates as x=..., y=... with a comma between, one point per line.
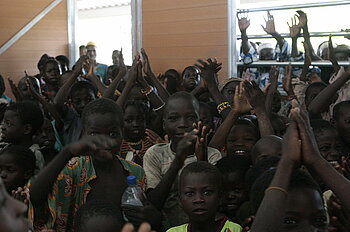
x=331, y=55
x=240, y=107
x=243, y=24
x=271, y=30
x=109, y=93
x=256, y=99
x=270, y=215
x=325, y=97
x=294, y=32
x=95, y=79
x=271, y=89
x=307, y=63
x=163, y=93
x=63, y=93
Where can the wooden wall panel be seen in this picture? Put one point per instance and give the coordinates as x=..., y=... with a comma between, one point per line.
x=177, y=33
x=50, y=35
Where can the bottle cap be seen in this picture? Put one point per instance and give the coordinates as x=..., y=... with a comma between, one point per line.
x=131, y=180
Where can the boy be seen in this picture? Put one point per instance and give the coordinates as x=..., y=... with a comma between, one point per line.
x=270, y=145
x=341, y=119
x=21, y=121
x=85, y=171
x=200, y=191
x=163, y=162
x=233, y=170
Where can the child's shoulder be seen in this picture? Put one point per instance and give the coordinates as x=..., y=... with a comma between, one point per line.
x=158, y=148
x=231, y=226
x=181, y=228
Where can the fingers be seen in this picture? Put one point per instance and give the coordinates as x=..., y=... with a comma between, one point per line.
x=128, y=228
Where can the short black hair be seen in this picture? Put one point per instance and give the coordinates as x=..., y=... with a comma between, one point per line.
x=233, y=164
x=63, y=58
x=338, y=107
x=320, y=125
x=140, y=105
x=202, y=167
x=314, y=85
x=183, y=95
x=80, y=85
x=43, y=60
x=30, y=113
x=298, y=179
x=94, y=209
x=259, y=168
x=24, y=157
x=51, y=60
x=190, y=68
x=102, y=106
x=248, y=122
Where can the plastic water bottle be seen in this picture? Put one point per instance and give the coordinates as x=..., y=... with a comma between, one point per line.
x=133, y=194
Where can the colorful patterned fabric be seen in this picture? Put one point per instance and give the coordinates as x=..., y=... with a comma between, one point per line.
x=128, y=153
x=70, y=191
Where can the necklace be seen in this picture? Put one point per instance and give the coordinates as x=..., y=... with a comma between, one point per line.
x=135, y=143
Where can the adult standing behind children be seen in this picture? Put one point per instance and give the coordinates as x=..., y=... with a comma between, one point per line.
x=100, y=69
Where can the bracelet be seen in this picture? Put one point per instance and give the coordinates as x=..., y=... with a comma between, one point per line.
x=222, y=106
x=276, y=188
x=146, y=91
x=159, y=107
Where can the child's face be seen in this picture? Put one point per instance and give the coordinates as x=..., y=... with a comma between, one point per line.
x=190, y=79
x=266, y=150
x=81, y=98
x=343, y=124
x=45, y=137
x=11, y=173
x=12, y=212
x=233, y=193
x=52, y=74
x=179, y=118
x=200, y=196
x=329, y=145
x=12, y=127
x=104, y=124
x=134, y=123
x=229, y=91
x=101, y=224
x=241, y=140
x=305, y=211
x=24, y=90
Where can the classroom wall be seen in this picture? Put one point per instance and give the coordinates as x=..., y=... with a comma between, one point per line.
x=47, y=36
x=177, y=33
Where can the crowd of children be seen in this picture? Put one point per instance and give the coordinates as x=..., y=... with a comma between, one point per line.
x=267, y=151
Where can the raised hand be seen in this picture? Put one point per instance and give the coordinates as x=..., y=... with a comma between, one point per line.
x=145, y=63
x=243, y=21
x=209, y=70
x=201, y=149
x=291, y=146
x=287, y=81
x=15, y=90
x=240, y=102
x=270, y=24
x=294, y=28
x=82, y=62
x=339, y=220
x=21, y=194
x=254, y=94
x=273, y=78
x=122, y=67
x=186, y=146
x=302, y=18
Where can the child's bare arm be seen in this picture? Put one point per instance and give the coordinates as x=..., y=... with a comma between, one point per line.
x=63, y=93
x=294, y=32
x=243, y=24
x=109, y=92
x=313, y=160
x=159, y=194
x=331, y=55
x=95, y=79
x=271, y=89
x=163, y=93
x=256, y=99
x=240, y=107
x=42, y=185
x=326, y=95
x=269, y=217
x=271, y=30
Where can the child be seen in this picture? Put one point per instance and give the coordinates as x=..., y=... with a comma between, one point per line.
x=228, y=88
x=190, y=78
x=17, y=165
x=200, y=191
x=206, y=116
x=135, y=144
x=341, y=119
x=270, y=145
x=51, y=76
x=327, y=140
x=21, y=121
x=12, y=212
x=243, y=135
x=163, y=162
x=233, y=170
x=97, y=216
x=85, y=171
